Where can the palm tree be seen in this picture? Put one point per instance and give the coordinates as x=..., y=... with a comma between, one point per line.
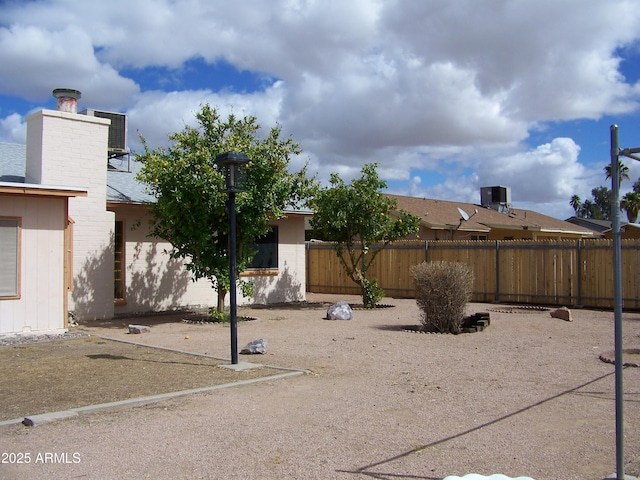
x=576, y=204
x=623, y=172
x=631, y=203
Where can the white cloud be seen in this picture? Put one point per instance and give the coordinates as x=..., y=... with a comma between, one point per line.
x=13, y=129
x=35, y=61
x=448, y=87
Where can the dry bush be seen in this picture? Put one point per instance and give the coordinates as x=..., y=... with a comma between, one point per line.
x=442, y=292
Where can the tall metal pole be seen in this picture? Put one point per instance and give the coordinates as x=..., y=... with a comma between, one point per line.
x=232, y=277
x=617, y=300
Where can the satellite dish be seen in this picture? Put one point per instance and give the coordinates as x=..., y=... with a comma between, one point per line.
x=464, y=215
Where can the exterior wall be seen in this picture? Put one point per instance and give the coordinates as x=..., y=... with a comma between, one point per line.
x=71, y=149
x=40, y=308
x=289, y=285
x=153, y=280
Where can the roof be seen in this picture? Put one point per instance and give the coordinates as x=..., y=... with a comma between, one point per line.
x=32, y=189
x=444, y=215
x=591, y=223
x=122, y=186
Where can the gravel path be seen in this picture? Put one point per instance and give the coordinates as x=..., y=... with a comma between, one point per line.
x=526, y=397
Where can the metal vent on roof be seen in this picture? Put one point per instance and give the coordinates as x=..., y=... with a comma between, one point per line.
x=117, y=151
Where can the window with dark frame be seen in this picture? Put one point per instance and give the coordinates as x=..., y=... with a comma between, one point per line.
x=267, y=256
x=10, y=258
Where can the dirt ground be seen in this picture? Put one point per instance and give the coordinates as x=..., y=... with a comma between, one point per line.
x=528, y=396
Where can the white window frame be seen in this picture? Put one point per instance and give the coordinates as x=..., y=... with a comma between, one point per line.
x=10, y=243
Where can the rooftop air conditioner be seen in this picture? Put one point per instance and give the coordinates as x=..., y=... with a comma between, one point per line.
x=117, y=144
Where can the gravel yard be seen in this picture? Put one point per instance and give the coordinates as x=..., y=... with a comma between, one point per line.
x=528, y=396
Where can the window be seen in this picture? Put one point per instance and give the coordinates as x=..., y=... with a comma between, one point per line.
x=118, y=263
x=478, y=237
x=10, y=258
x=267, y=256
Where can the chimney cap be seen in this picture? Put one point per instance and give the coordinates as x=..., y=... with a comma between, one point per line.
x=66, y=93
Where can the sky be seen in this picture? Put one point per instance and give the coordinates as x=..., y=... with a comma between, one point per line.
x=446, y=96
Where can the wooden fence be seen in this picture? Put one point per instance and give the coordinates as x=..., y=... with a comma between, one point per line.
x=555, y=272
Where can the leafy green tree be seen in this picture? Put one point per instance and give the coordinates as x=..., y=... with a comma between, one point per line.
x=189, y=188
x=361, y=221
x=602, y=203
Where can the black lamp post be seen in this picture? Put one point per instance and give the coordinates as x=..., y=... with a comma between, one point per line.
x=234, y=165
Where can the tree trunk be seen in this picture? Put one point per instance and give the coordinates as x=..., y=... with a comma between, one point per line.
x=222, y=294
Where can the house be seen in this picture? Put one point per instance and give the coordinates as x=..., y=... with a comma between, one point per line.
x=489, y=220
x=627, y=230
x=598, y=226
x=63, y=175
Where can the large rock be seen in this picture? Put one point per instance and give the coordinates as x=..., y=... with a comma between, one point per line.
x=256, y=346
x=339, y=311
x=563, y=313
x=135, y=329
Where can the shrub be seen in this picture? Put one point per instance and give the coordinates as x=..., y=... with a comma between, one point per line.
x=442, y=292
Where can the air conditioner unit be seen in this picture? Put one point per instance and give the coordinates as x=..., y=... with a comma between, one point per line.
x=117, y=145
x=496, y=198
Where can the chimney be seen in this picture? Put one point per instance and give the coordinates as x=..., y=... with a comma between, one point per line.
x=67, y=99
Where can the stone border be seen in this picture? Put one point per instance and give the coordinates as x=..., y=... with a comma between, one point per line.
x=610, y=357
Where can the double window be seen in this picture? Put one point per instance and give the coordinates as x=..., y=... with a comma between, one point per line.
x=10, y=258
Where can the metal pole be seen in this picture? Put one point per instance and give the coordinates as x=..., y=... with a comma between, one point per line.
x=617, y=300
x=232, y=278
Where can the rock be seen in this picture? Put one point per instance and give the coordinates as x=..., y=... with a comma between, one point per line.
x=563, y=313
x=138, y=329
x=256, y=346
x=339, y=311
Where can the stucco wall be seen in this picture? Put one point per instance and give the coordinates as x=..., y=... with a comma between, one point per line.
x=40, y=308
x=153, y=280
x=289, y=284
x=71, y=149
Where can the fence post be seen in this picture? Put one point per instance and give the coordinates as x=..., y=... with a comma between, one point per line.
x=579, y=260
x=497, y=271
x=426, y=249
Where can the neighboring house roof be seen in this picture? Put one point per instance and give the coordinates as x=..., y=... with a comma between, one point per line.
x=591, y=223
x=444, y=215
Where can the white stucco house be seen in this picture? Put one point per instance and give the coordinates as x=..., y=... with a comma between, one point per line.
x=66, y=222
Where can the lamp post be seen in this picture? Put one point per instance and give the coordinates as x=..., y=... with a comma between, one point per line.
x=234, y=165
x=632, y=153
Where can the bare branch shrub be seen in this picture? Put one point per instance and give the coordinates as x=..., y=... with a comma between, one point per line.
x=442, y=292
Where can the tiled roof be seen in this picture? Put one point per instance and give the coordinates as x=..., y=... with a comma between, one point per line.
x=443, y=215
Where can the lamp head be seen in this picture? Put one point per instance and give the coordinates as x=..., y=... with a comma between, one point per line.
x=235, y=167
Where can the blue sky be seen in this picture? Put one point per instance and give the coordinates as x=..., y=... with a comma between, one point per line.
x=446, y=96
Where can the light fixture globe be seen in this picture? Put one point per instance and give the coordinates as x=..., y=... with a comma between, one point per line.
x=235, y=167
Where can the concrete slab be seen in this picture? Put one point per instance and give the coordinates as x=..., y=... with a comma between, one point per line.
x=241, y=366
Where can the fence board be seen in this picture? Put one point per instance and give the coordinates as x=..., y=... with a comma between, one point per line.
x=553, y=272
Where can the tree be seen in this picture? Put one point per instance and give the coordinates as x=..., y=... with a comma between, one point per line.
x=361, y=221
x=576, y=204
x=623, y=172
x=189, y=188
x=631, y=204
x=601, y=203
